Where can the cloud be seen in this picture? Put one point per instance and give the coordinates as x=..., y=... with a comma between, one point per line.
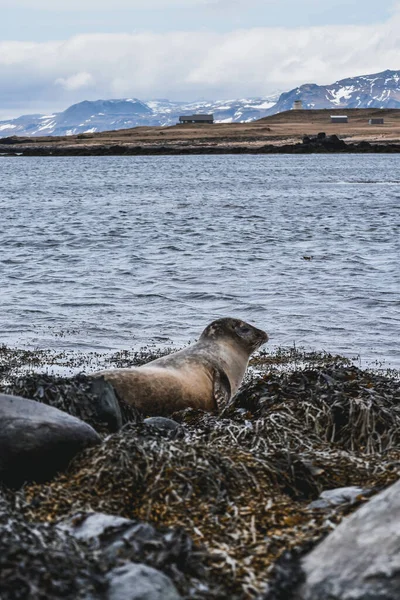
x=189, y=65
x=76, y=82
x=104, y=5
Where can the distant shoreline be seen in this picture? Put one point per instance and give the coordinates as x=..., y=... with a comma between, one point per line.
x=177, y=150
x=291, y=132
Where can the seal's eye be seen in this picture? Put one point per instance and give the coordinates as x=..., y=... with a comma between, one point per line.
x=244, y=330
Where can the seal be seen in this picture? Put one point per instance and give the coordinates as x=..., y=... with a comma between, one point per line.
x=204, y=375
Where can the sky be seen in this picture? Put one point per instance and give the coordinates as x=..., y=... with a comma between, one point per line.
x=54, y=53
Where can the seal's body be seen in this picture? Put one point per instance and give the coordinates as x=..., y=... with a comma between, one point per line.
x=204, y=375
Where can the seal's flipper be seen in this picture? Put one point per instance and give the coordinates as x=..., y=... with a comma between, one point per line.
x=222, y=389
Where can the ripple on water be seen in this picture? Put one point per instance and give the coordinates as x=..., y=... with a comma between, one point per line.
x=120, y=251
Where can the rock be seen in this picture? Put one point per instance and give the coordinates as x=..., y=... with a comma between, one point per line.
x=39, y=562
x=92, y=526
x=364, y=144
x=91, y=400
x=115, y=536
x=321, y=141
x=334, y=142
x=37, y=440
x=344, y=495
x=167, y=549
x=119, y=540
x=360, y=560
x=165, y=427
x=140, y=582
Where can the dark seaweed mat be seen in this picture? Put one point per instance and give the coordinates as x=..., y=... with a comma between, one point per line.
x=170, y=550
x=70, y=394
x=240, y=482
x=39, y=562
x=354, y=409
x=287, y=574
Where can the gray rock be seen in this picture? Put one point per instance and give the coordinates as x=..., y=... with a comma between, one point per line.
x=140, y=582
x=360, y=560
x=338, y=496
x=91, y=400
x=39, y=562
x=37, y=440
x=121, y=541
x=91, y=526
x=165, y=427
x=111, y=533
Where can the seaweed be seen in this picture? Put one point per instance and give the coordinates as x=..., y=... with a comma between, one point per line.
x=237, y=485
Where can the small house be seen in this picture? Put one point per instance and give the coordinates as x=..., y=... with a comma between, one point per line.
x=196, y=119
x=297, y=105
x=377, y=121
x=339, y=119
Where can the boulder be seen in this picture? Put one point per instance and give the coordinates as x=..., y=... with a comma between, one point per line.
x=37, y=440
x=139, y=582
x=91, y=400
x=360, y=560
x=339, y=496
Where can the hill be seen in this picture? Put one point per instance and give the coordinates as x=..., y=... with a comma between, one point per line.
x=380, y=90
x=284, y=128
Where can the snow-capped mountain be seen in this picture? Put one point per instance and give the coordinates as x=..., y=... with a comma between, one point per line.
x=105, y=115
x=381, y=90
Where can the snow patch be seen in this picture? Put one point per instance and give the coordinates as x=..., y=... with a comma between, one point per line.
x=3, y=127
x=342, y=93
x=261, y=106
x=45, y=126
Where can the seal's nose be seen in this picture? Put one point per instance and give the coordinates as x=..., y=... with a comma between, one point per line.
x=263, y=336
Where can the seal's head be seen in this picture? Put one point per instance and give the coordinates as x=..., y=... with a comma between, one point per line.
x=246, y=336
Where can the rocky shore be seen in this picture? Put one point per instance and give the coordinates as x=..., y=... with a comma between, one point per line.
x=310, y=144
x=209, y=506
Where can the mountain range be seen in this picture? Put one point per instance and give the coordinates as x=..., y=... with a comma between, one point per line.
x=380, y=90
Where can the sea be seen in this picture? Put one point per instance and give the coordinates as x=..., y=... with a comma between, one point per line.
x=109, y=253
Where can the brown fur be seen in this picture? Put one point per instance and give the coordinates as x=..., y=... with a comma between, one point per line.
x=200, y=376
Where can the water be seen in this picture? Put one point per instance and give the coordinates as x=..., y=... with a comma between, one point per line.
x=103, y=253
